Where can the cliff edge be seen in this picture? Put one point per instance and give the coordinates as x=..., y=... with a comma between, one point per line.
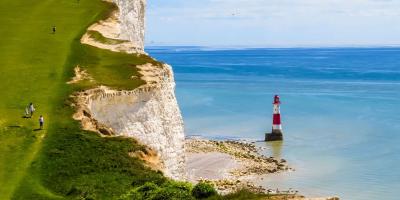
x=150, y=113
x=122, y=31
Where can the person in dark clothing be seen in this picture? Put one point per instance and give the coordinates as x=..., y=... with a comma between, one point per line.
x=54, y=29
x=41, y=121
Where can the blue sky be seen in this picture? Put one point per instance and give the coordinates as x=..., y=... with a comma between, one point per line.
x=273, y=22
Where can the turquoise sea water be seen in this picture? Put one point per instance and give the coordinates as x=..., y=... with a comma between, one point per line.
x=340, y=111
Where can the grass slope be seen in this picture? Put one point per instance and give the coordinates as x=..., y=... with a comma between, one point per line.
x=99, y=37
x=61, y=161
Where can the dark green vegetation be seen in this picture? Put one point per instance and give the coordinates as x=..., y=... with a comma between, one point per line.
x=203, y=190
x=167, y=191
x=62, y=161
x=180, y=190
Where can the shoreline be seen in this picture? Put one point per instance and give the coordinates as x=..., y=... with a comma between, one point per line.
x=231, y=165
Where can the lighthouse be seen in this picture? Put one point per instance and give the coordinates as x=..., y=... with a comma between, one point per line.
x=276, y=134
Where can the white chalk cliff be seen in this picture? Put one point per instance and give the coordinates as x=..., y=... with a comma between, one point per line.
x=132, y=20
x=124, y=29
x=149, y=113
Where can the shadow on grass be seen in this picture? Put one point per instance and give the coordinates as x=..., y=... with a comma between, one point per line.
x=15, y=126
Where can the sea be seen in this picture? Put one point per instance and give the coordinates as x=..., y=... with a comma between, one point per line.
x=340, y=111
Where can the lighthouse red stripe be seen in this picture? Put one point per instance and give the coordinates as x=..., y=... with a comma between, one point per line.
x=277, y=119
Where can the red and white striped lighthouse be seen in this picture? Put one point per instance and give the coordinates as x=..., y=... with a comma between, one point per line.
x=276, y=133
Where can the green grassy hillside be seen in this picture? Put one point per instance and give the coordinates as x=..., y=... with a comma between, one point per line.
x=61, y=160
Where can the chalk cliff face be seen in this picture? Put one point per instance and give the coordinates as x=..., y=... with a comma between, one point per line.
x=132, y=21
x=149, y=113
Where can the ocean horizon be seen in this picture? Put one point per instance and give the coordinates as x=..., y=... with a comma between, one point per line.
x=150, y=47
x=339, y=111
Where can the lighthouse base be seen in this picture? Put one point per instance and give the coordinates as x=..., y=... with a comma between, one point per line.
x=276, y=135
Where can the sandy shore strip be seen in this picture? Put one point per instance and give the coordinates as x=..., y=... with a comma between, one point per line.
x=229, y=165
x=233, y=165
x=219, y=166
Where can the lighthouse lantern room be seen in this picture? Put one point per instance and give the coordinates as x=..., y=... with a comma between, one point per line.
x=276, y=134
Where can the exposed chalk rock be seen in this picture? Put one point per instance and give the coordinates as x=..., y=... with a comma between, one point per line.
x=124, y=28
x=149, y=114
x=132, y=21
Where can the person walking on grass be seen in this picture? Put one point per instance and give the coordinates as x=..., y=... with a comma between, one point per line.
x=41, y=122
x=31, y=109
x=54, y=29
x=27, y=112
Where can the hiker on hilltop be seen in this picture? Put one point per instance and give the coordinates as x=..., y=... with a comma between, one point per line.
x=31, y=109
x=41, y=121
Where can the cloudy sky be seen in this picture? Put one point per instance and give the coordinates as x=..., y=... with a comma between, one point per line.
x=273, y=22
